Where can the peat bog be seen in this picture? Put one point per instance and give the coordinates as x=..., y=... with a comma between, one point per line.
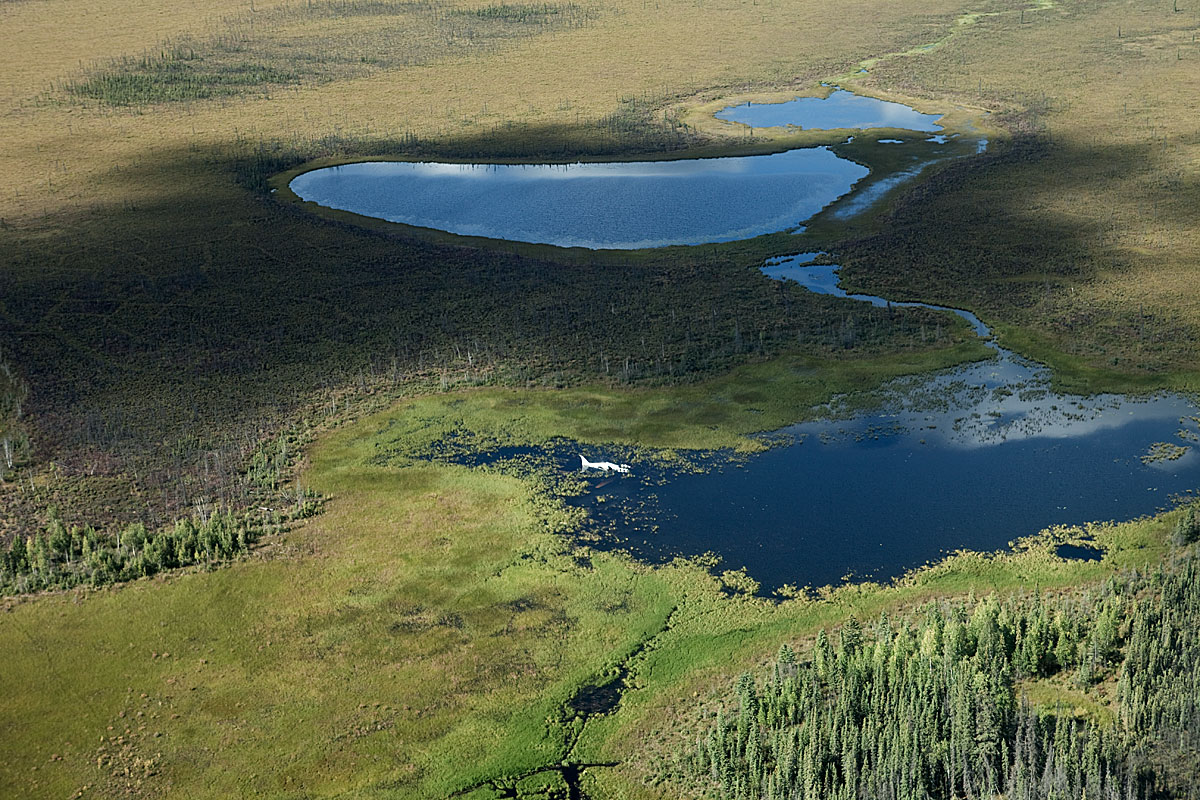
x=972, y=458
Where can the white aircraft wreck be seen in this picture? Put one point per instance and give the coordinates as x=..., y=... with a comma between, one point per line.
x=606, y=466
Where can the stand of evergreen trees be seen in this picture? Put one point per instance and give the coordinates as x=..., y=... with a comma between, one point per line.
x=59, y=557
x=935, y=709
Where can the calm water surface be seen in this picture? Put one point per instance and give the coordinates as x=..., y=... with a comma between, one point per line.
x=841, y=109
x=596, y=205
x=631, y=205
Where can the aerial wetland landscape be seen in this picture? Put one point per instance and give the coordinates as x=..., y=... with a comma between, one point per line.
x=638, y=399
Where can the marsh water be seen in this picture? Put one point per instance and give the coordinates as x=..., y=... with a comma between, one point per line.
x=972, y=458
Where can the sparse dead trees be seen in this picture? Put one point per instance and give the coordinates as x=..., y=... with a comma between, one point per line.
x=13, y=440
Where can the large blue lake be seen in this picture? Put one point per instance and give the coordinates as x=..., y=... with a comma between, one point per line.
x=595, y=205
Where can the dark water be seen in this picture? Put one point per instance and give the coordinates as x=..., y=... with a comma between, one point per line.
x=1074, y=552
x=971, y=458
x=596, y=205
x=841, y=109
x=599, y=698
x=877, y=494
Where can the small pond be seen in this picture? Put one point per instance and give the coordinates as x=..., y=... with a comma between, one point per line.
x=1076, y=552
x=841, y=109
x=622, y=206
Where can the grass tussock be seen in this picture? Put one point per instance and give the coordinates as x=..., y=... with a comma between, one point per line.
x=314, y=43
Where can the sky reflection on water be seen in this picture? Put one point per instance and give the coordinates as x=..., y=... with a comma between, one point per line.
x=841, y=109
x=970, y=458
x=596, y=205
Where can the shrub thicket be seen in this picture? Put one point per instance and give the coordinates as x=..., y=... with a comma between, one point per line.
x=61, y=557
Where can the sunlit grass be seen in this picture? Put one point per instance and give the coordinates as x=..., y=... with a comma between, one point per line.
x=312, y=44
x=425, y=632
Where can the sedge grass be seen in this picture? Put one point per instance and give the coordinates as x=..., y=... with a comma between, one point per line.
x=424, y=634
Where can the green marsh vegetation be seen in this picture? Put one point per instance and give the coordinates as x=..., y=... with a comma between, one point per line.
x=425, y=634
x=715, y=414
